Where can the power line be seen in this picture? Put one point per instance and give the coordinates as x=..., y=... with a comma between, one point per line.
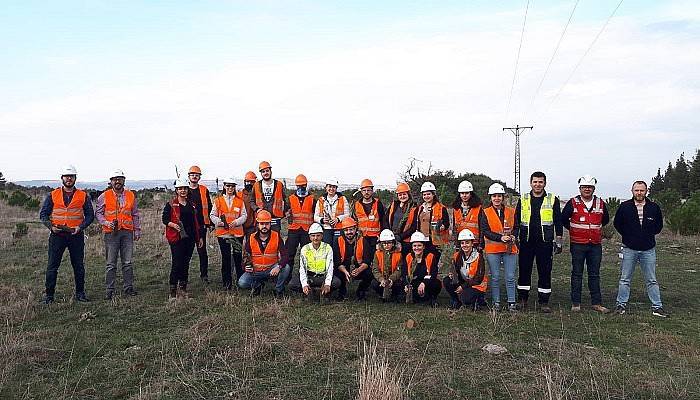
x=580, y=61
x=517, y=60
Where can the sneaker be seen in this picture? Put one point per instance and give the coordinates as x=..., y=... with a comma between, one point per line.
x=545, y=309
x=620, y=309
x=576, y=307
x=659, y=312
x=512, y=307
x=47, y=299
x=130, y=292
x=599, y=308
x=81, y=297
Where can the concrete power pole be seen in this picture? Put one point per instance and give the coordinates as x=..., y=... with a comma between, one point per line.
x=517, y=130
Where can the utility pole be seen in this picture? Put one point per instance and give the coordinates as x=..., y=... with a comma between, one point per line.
x=517, y=131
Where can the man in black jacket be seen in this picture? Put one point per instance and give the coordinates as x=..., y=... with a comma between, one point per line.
x=638, y=220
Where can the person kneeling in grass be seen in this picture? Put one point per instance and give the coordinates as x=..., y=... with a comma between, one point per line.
x=421, y=269
x=315, y=267
x=467, y=281
x=387, y=267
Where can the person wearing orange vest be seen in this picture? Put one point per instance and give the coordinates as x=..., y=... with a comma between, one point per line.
x=66, y=212
x=183, y=232
x=387, y=267
x=431, y=218
x=585, y=216
x=246, y=195
x=268, y=194
x=467, y=280
x=228, y=216
x=301, y=216
x=118, y=213
x=353, y=257
x=331, y=209
x=369, y=212
x=398, y=217
x=264, y=258
x=421, y=272
x=466, y=209
x=499, y=230
x=200, y=197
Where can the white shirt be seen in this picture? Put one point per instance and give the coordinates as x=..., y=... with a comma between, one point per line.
x=267, y=189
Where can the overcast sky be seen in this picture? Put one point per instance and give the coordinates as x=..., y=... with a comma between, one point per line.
x=351, y=89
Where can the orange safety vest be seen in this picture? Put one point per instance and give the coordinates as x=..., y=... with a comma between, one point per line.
x=495, y=225
x=277, y=201
x=437, y=238
x=359, y=249
x=263, y=260
x=369, y=225
x=339, y=205
x=203, y=199
x=122, y=214
x=472, y=270
x=70, y=215
x=395, y=260
x=469, y=221
x=231, y=215
x=428, y=263
x=302, y=212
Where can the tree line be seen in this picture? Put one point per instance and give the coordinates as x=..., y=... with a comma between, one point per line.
x=677, y=191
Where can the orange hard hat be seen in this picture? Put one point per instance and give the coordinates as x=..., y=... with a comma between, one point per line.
x=347, y=222
x=250, y=176
x=402, y=188
x=366, y=183
x=300, y=180
x=195, y=170
x=264, y=165
x=263, y=216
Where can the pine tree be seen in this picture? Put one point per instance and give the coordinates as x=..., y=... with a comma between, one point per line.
x=694, y=175
x=657, y=183
x=670, y=178
x=682, y=175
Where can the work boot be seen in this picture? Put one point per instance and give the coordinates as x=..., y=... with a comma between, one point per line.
x=81, y=297
x=131, y=292
x=544, y=308
x=173, y=292
x=183, y=290
x=599, y=308
x=47, y=299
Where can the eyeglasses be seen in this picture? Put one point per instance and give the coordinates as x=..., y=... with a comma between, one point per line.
x=229, y=185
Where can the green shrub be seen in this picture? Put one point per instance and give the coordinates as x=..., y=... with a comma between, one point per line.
x=32, y=204
x=668, y=200
x=21, y=229
x=145, y=199
x=685, y=220
x=18, y=198
x=3, y=195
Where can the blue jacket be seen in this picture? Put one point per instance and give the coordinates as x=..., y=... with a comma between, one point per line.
x=636, y=236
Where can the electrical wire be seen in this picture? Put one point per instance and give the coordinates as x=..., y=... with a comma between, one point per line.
x=517, y=60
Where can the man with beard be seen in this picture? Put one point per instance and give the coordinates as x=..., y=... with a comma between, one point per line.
x=268, y=194
x=66, y=211
x=369, y=212
x=117, y=211
x=200, y=197
x=246, y=195
x=301, y=216
x=352, y=257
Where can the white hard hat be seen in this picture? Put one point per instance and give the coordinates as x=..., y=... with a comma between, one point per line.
x=386, y=236
x=465, y=234
x=332, y=182
x=229, y=180
x=465, y=186
x=496, y=188
x=117, y=173
x=181, y=183
x=315, y=228
x=69, y=170
x=587, y=180
x=427, y=187
x=418, y=236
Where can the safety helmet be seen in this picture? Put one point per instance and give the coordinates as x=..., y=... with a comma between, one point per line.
x=332, y=182
x=229, y=181
x=68, y=170
x=347, y=222
x=250, y=176
x=300, y=180
x=263, y=165
x=386, y=236
x=117, y=173
x=402, y=188
x=263, y=216
x=315, y=228
x=464, y=187
x=465, y=234
x=366, y=183
x=587, y=180
x=195, y=170
x=496, y=188
x=427, y=187
x=418, y=236
x=181, y=183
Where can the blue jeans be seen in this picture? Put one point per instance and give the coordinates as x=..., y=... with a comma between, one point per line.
x=250, y=280
x=58, y=243
x=590, y=255
x=647, y=263
x=509, y=265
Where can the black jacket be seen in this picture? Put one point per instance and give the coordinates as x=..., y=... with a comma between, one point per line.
x=636, y=236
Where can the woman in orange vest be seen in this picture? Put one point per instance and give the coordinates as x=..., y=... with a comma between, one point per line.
x=431, y=218
x=387, y=267
x=228, y=214
x=499, y=230
x=466, y=282
x=399, y=216
x=183, y=231
x=421, y=272
x=466, y=209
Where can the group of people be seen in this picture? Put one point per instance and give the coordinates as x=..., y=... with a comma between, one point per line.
x=393, y=250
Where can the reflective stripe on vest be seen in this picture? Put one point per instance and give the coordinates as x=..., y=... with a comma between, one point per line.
x=203, y=199
x=122, y=213
x=231, y=215
x=263, y=260
x=395, y=260
x=369, y=224
x=471, y=221
x=409, y=264
x=316, y=259
x=495, y=225
x=546, y=212
x=277, y=201
x=443, y=236
x=586, y=227
x=70, y=215
x=302, y=212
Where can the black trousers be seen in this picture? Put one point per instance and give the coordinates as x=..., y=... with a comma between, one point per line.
x=540, y=252
x=396, y=288
x=432, y=289
x=229, y=253
x=296, y=238
x=469, y=295
x=314, y=281
x=203, y=257
x=365, y=279
x=58, y=243
x=181, y=252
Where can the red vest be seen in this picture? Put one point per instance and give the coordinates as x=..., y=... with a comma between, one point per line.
x=586, y=226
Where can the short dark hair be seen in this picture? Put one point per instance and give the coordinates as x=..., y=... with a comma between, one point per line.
x=640, y=183
x=538, y=174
